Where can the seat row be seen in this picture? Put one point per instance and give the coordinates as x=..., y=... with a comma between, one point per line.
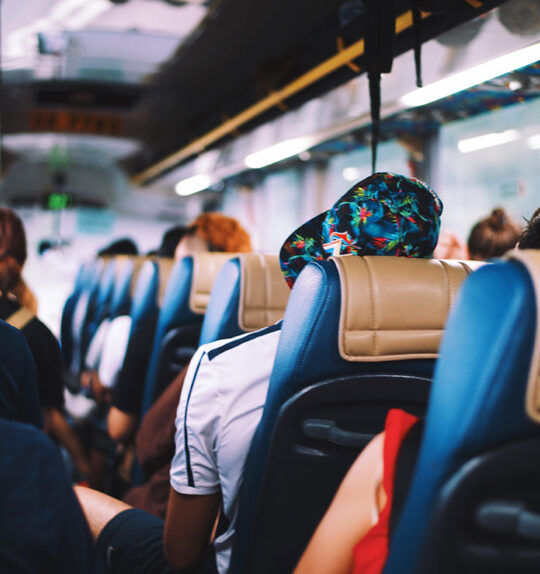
x=361, y=335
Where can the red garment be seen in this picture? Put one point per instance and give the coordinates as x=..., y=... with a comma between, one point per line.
x=371, y=552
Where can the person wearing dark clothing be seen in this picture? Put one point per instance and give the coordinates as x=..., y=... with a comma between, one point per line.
x=42, y=527
x=43, y=345
x=155, y=447
x=46, y=353
x=19, y=399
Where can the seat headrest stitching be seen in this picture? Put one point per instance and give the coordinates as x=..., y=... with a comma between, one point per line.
x=448, y=286
x=374, y=321
x=530, y=259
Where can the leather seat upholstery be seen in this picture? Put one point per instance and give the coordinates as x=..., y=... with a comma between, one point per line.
x=184, y=302
x=249, y=294
x=474, y=499
x=360, y=336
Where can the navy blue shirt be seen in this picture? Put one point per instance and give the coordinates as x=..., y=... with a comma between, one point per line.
x=42, y=527
x=19, y=398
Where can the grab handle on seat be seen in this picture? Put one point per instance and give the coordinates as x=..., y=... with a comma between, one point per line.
x=327, y=430
x=509, y=517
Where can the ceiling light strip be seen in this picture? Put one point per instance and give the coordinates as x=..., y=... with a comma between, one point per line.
x=342, y=58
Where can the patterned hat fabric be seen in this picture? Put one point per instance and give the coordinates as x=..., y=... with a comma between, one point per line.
x=384, y=214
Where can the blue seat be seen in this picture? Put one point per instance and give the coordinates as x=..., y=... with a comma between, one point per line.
x=101, y=306
x=180, y=319
x=360, y=336
x=248, y=294
x=82, y=314
x=126, y=271
x=66, y=323
x=474, y=498
x=144, y=314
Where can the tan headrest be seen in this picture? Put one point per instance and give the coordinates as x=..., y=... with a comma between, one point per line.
x=395, y=308
x=206, y=266
x=165, y=265
x=120, y=261
x=531, y=260
x=263, y=291
x=137, y=264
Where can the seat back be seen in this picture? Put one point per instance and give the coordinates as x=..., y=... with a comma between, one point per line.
x=103, y=300
x=360, y=336
x=83, y=314
x=66, y=323
x=249, y=294
x=144, y=313
x=180, y=318
x=477, y=471
x=126, y=269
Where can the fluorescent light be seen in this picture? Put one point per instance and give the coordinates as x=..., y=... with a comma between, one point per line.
x=351, y=174
x=278, y=152
x=192, y=184
x=533, y=142
x=472, y=77
x=488, y=140
x=90, y=11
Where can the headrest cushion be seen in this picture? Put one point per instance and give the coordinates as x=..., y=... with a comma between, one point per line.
x=395, y=308
x=206, y=266
x=530, y=258
x=263, y=292
x=165, y=265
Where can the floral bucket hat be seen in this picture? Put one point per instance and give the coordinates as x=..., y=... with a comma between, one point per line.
x=384, y=214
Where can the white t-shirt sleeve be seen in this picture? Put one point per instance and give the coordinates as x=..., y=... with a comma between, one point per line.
x=194, y=467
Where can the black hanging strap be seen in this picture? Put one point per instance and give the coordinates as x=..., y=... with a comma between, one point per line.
x=417, y=33
x=379, y=54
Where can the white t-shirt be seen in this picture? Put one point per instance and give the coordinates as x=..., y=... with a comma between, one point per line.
x=113, y=350
x=220, y=407
x=93, y=355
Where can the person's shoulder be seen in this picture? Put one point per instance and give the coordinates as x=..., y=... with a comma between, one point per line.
x=247, y=343
x=23, y=437
x=39, y=329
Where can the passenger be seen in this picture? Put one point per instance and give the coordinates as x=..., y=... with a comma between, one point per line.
x=450, y=246
x=19, y=397
x=493, y=236
x=43, y=345
x=170, y=240
x=530, y=238
x=42, y=528
x=124, y=246
x=209, y=232
x=226, y=384
x=353, y=536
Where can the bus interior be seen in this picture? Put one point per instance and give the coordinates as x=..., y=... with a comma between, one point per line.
x=122, y=120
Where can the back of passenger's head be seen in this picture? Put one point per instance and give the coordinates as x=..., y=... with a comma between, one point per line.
x=124, y=246
x=171, y=238
x=214, y=232
x=530, y=238
x=384, y=214
x=12, y=249
x=493, y=236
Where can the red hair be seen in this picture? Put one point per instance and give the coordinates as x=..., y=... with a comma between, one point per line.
x=12, y=249
x=222, y=233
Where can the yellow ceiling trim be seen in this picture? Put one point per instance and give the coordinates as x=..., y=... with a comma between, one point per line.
x=344, y=57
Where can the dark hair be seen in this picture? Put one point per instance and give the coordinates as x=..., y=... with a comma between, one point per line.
x=171, y=238
x=221, y=232
x=124, y=246
x=12, y=249
x=493, y=236
x=530, y=238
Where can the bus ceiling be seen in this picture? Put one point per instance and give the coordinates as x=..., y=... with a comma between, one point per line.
x=173, y=84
